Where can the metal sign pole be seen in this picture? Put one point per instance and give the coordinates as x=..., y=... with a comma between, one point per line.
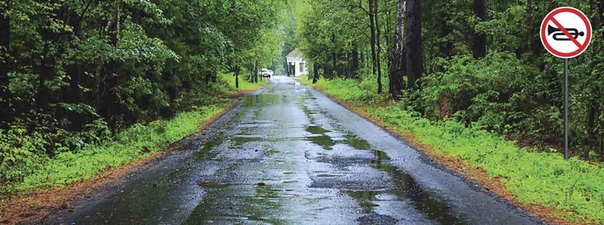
x=559, y=39
x=566, y=154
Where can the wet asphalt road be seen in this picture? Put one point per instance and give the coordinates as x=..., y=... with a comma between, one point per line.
x=290, y=155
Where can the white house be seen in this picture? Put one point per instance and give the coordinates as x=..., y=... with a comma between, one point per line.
x=295, y=64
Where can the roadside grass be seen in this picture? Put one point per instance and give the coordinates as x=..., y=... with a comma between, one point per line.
x=132, y=144
x=571, y=191
x=304, y=79
x=137, y=142
x=244, y=85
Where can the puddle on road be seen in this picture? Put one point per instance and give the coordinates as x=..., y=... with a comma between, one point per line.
x=431, y=206
x=357, y=142
x=207, y=151
x=315, y=129
x=221, y=206
x=270, y=151
x=323, y=140
x=326, y=175
x=306, y=110
x=327, y=142
x=238, y=141
x=262, y=100
x=365, y=199
x=207, y=184
x=406, y=187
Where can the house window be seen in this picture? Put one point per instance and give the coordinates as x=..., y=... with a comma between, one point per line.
x=302, y=67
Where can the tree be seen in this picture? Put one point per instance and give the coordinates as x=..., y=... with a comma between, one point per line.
x=378, y=48
x=5, y=94
x=479, y=48
x=374, y=49
x=415, y=60
x=397, y=53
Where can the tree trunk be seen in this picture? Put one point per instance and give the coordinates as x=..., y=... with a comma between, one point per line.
x=255, y=72
x=415, y=58
x=334, y=63
x=355, y=61
x=237, y=69
x=397, y=54
x=378, y=46
x=480, y=39
x=315, y=71
x=6, y=114
x=372, y=27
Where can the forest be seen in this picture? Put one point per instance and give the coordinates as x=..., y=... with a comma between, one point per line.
x=478, y=62
x=77, y=75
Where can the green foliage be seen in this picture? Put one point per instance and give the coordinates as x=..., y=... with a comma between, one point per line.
x=20, y=154
x=478, y=91
x=68, y=167
x=82, y=71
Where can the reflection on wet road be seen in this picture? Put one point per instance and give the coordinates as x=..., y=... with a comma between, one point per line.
x=290, y=155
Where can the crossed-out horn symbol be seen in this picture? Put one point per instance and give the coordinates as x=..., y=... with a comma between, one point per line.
x=560, y=36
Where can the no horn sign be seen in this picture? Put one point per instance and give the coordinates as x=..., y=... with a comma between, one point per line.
x=566, y=32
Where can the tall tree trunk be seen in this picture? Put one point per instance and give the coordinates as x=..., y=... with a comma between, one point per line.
x=237, y=69
x=397, y=54
x=315, y=72
x=334, y=59
x=355, y=61
x=255, y=73
x=6, y=115
x=480, y=39
x=378, y=46
x=415, y=56
x=372, y=27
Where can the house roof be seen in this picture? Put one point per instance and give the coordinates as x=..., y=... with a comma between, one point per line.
x=294, y=54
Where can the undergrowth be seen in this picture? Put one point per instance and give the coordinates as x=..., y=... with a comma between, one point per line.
x=134, y=143
x=25, y=166
x=573, y=188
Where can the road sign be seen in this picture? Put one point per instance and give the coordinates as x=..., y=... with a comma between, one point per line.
x=566, y=32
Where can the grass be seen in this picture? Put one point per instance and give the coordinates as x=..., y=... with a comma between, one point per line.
x=135, y=143
x=571, y=191
x=243, y=84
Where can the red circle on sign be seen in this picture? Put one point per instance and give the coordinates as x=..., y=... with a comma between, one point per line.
x=549, y=47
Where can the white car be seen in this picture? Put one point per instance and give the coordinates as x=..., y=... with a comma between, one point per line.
x=266, y=73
